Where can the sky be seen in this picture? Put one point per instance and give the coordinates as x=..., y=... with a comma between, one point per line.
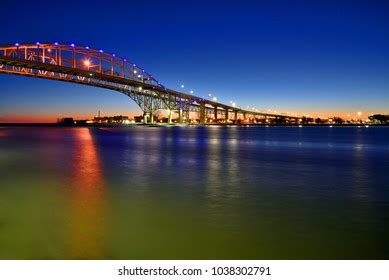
x=321, y=58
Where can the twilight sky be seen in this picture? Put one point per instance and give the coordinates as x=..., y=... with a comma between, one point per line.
x=322, y=58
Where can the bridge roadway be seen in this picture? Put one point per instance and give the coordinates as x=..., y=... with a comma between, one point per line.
x=96, y=68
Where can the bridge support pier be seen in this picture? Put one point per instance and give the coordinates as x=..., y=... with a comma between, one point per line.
x=215, y=114
x=202, y=113
x=226, y=115
x=180, y=116
x=169, y=117
x=145, y=118
x=236, y=117
x=151, y=118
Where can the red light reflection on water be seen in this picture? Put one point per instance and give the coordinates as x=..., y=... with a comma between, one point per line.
x=88, y=199
x=3, y=133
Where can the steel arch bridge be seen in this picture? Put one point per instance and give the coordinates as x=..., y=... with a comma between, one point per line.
x=92, y=67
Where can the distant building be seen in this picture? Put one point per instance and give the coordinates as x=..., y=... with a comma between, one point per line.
x=66, y=121
x=138, y=119
x=113, y=119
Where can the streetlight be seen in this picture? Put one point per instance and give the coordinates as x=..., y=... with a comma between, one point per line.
x=87, y=63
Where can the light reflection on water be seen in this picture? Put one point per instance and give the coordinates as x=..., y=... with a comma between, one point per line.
x=194, y=193
x=88, y=199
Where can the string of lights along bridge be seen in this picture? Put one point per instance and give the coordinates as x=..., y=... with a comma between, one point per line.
x=93, y=67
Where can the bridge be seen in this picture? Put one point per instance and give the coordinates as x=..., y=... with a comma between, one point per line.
x=84, y=65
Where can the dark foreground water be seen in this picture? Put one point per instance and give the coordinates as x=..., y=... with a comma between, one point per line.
x=194, y=193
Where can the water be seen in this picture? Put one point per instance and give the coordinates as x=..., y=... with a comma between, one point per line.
x=194, y=193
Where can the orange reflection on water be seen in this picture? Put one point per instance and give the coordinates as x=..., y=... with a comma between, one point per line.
x=88, y=199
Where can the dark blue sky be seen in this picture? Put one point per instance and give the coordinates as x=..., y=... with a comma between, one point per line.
x=316, y=57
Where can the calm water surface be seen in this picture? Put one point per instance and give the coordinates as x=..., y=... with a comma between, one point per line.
x=194, y=193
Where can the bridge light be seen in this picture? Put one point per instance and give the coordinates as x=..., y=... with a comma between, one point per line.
x=135, y=71
x=134, y=65
x=101, y=51
x=214, y=99
x=182, y=86
x=140, y=88
x=38, y=43
x=87, y=62
x=72, y=45
x=124, y=59
x=56, y=43
x=191, y=91
x=139, y=76
x=87, y=47
x=17, y=44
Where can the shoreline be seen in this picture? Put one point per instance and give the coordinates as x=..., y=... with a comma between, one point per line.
x=181, y=125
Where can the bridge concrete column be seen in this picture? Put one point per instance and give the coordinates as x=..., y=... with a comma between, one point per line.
x=226, y=115
x=236, y=117
x=215, y=114
x=151, y=117
x=180, y=115
x=244, y=116
x=145, y=118
x=202, y=113
x=169, y=117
